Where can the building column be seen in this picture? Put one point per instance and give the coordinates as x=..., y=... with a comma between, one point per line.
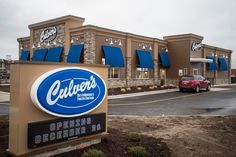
x=128, y=62
x=155, y=59
x=229, y=68
x=89, y=47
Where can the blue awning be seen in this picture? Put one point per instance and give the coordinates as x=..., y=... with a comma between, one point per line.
x=25, y=55
x=114, y=56
x=39, y=55
x=145, y=59
x=54, y=54
x=212, y=65
x=223, y=64
x=75, y=53
x=165, y=61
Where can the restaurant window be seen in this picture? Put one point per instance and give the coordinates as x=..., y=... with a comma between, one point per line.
x=195, y=71
x=142, y=73
x=185, y=71
x=114, y=73
x=180, y=72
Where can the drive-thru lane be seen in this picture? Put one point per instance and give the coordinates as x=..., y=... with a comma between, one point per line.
x=219, y=101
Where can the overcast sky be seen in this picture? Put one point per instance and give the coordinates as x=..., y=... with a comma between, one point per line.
x=213, y=19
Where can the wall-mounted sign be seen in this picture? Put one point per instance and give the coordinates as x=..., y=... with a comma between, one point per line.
x=196, y=46
x=52, y=131
x=68, y=92
x=48, y=34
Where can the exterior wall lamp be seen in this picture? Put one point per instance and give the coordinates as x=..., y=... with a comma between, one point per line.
x=145, y=46
x=75, y=38
x=112, y=41
x=109, y=40
x=165, y=49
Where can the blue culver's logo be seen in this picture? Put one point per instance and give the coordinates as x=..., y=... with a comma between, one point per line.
x=68, y=92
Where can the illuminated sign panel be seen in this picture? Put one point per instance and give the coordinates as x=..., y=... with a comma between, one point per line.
x=68, y=92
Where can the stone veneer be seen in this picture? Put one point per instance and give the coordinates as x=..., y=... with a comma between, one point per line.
x=128, y=71
x=141, y=82
x=59, y=39
x=89, y=47
x=222, y=81
x=155, y=71
x=116, y=83
x=174, y=82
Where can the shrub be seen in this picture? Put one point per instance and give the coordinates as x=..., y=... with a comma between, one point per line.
x=93, y=153
x=133, y=137
x=162, y=82
x=137, y=151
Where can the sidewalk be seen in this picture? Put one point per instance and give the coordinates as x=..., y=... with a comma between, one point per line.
x=142, y=93
x=163, y=91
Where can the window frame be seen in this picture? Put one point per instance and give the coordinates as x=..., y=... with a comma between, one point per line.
x=113, y=73
x=142, y=70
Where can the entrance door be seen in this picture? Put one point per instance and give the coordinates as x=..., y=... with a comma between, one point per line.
x=163, y=76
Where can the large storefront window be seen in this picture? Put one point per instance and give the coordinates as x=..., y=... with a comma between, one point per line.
x=142, y=73
x=114, y=73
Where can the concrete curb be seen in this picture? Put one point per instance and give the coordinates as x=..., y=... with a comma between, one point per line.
x=141, y=94
x=155, y=92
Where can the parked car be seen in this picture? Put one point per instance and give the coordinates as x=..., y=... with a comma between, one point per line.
x=195, y=82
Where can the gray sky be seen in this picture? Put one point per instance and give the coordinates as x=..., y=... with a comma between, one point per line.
x=213, y=19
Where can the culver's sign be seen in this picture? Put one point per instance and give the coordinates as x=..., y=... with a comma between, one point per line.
x=196, y=46
x=68, y=92
x=48, y=34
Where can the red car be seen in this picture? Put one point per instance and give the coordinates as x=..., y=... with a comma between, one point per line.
x=195, y=82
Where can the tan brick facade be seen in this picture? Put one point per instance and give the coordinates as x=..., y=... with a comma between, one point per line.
x=72, y=31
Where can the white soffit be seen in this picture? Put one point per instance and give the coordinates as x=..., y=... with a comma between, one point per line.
x=202, y=60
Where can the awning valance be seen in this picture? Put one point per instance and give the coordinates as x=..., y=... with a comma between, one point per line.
x=145, y=59
x=165, y=61
x=223, y=64
x=75, y=53
x=54, y=54
x=212, y=65
x=25, y=55
x=201, y=60
x=114, y=56
x=39, y=55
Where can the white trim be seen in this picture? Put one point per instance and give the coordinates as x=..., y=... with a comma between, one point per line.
x=202, y=60
x=39, y=80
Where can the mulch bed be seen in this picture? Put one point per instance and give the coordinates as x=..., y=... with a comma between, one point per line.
x=113, y=145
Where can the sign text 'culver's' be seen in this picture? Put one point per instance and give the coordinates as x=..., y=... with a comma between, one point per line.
x=68, y=92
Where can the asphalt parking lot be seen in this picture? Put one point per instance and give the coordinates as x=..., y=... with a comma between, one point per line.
x=219, y=101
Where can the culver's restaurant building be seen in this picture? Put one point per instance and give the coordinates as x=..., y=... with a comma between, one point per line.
x=134, y=60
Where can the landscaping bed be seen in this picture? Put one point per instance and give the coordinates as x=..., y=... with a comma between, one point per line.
x=116, y=91
x=157, y=136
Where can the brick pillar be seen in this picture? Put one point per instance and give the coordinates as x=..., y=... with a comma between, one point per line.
x=155, y=71
x=155, y=57
x=128, y=71
x=128, y=62
x=89, y=47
